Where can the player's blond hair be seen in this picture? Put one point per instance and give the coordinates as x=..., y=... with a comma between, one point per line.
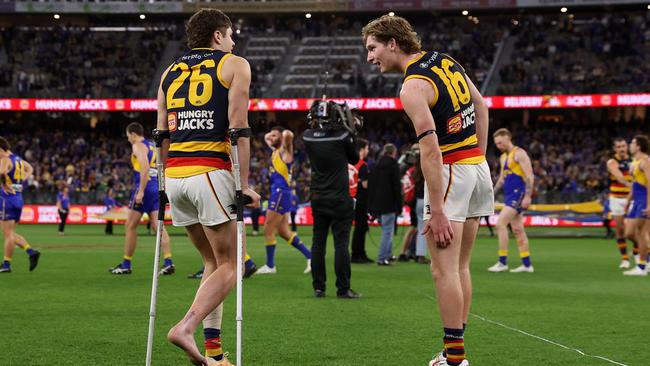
x=389, y=27
x=502, y=132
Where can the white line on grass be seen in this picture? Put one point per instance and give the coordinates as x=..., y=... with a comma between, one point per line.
x=582, y=353
x=545, y=340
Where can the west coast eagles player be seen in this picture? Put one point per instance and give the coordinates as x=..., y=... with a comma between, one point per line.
x=517, y=180
x=14, y=172
x=638, y=228
x=281, y=199
x=451, y=121
x=144, y=198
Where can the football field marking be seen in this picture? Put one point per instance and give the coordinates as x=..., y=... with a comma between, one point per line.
x=580, y=352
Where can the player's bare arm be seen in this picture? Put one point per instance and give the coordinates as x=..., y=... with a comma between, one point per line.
x=237, y=72
x=140, y=152
x=415, y=96
x=524, y=161
x=5, y=167
x=161, y=122
x=612, y=168
x=499, y=182
x=644, y=165
x=28, y=170
x=269, y=140
x=287, y=146
x=482, y=115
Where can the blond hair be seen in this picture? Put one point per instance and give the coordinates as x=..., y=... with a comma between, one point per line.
x=388, y=27
x=502, y=132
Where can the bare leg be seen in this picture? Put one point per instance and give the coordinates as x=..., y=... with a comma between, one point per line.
x=642, y=234
x=130, y=232
x=630, y=230
x=506, y=216
x=283, y=228
x=470, y=229
x=445, y=269
x=620, y=226
x=166, y=246
x=19, y=239
x=208, y=256
x=271, y=223
x=8, y=230
x=519, y=232
x=213, y=290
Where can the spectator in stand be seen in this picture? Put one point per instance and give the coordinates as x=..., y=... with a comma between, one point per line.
x=578, y=54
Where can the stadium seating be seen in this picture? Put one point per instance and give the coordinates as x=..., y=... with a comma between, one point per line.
x=80, y=62
x=504, y=54
x=508, y=54
x=579, y=53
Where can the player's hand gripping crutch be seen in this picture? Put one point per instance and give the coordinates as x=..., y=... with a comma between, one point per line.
x=158, y=137
x=241, y=200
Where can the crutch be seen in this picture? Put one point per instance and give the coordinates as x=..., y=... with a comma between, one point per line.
x=158, y=137
x=236, y=133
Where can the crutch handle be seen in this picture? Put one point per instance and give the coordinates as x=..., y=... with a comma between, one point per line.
x=247, y=200
x=159, y=136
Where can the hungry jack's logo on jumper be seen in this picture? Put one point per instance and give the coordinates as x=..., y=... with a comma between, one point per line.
x=454, y=124
x=171, y=121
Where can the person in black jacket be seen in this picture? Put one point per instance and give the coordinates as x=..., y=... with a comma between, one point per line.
x=330, y=151
x=386, y=200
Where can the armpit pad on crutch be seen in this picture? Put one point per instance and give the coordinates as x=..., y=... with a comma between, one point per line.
x=236, y=133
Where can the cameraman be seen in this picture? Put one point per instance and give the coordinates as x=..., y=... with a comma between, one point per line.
x=330, y=145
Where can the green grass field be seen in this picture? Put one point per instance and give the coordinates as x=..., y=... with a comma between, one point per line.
x=70, y=311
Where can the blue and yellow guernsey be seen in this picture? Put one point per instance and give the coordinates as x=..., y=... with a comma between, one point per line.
x=197, y=113
x=279, y=172
x=639, y=182
x=151, y=159
x=513, y=174
x=15, y=177
x=452, y=108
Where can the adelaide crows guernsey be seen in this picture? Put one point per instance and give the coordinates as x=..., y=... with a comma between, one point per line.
x=616, y=189
x=452, y=108
x=197, y=113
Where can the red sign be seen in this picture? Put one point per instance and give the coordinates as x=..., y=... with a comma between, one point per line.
x=303, y=104
x=80, y=214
